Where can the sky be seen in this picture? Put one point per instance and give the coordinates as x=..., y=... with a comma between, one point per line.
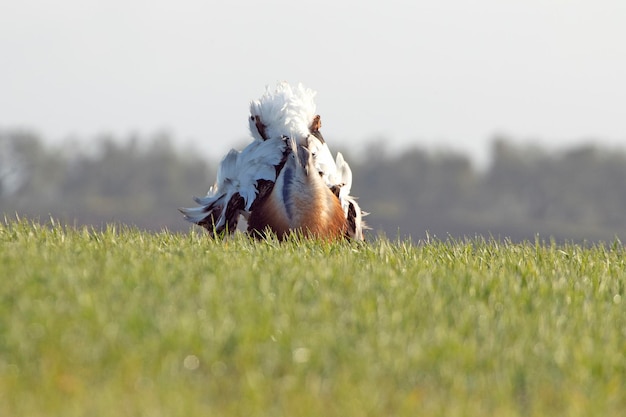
x=444, y=75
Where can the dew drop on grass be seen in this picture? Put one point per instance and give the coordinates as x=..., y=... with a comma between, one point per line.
x=617, y=299
x=191, y=362
x=301, y=355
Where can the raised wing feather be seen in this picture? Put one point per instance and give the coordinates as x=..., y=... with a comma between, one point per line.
x=323, y=160
x=235, y=190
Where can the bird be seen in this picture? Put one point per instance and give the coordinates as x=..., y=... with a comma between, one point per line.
x=286, y=180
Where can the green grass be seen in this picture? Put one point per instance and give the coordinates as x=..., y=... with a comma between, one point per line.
x=128, y=323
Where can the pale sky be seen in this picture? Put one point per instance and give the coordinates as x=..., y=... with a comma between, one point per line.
x=445, y=74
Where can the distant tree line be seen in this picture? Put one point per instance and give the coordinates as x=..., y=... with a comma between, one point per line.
x=578, y=194
x=135, y=181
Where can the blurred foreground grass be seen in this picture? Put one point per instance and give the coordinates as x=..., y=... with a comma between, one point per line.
x=127, y=323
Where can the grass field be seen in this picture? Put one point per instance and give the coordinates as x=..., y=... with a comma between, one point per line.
x=127, y=323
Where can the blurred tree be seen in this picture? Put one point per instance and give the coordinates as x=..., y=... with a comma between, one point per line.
x=13, y=171
x=31, y=173
x=413, y=191
x=134, y=181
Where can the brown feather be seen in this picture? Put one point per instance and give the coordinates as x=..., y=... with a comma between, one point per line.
x=317, y=214
x=268, y=214
x=322, y=216
x=260, y=126
x=315, y=127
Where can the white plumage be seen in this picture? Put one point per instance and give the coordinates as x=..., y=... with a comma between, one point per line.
x=285, y=112
x=238, y=175
x=286, y=179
